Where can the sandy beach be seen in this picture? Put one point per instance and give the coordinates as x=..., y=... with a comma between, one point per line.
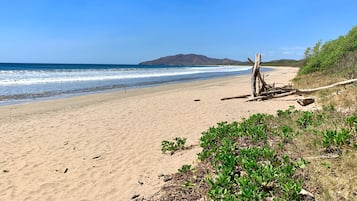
x=106, y=146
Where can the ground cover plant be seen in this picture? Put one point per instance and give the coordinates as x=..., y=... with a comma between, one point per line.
x=274, y=157
x=172, y=146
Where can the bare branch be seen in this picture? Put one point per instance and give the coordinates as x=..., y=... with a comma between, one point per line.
x=306, y=91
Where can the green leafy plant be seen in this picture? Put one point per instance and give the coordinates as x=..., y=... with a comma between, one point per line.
x=333, y=139
x=324, y=57
x=305, y=120
x=329, y=108
x=253, y=172
x=351, y=121
x=255, y=127
x=172, y=146
x=212, y=139
x=326, y=164
x=286, y=133
x=287, y=112
x=188, y=184
x=185, y=168
x=249, y=160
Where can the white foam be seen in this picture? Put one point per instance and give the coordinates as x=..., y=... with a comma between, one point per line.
x=43, y=80
x=12, y=78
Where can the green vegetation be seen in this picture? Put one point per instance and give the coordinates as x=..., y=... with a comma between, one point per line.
x=185, y=168
x=274, y=157
x=253, y=172
x=333, y=56
x=172, y=146
x=333, y=139
x=328, y=63
x=352, y=122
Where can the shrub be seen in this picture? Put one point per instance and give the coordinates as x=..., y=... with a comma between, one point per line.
x=172, y=146
x=185, y=168
x=211, y=139
x=334, y=139
x=323, y=57
x=305, y=120
x=352, y=122
x=262, y=174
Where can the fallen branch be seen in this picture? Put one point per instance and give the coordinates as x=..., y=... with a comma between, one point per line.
x=267, y=91
x=276, y=91
x=235, y=97
x=271, y=96
x=306, y=91
x=328, y=156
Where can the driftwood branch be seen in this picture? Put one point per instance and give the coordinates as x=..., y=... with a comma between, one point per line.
x=267, y=91
x=266, y=97
x=251, y=61
x=235, y=97
x=306, y=91
x=257, y=78
x=255, y=72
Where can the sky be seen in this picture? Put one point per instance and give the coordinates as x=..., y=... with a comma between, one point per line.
x=132, y=31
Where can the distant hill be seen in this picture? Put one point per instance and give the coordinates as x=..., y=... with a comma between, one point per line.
x=285, y=62
x=191, y=59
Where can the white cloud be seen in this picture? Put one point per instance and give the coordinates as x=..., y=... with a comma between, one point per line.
x=296, y=52
x=297, y=48
x=293, y=52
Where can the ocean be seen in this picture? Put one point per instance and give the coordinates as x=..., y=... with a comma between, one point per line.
x=28, y=82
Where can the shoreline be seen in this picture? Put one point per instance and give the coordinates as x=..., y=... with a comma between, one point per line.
x=14, y=94
x=107, y=146
x=80, y=100
x=86, y=98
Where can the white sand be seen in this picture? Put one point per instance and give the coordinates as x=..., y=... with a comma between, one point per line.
x=111, y=141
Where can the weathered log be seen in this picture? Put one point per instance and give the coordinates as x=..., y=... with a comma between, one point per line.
x=275, y=91
x=305, y=101
x=271, y=96
x=255, y=72
x=264, y=84
x=306, y=91
x=235, y=97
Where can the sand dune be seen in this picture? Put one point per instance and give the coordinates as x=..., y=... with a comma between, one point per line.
x=107, y=146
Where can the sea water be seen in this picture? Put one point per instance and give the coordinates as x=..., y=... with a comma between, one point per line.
x=26, y=82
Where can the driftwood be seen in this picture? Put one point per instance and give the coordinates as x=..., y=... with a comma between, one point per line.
x=305, y=101
x=270, y=96
x=255, y=71
x=265, y=91
x=306, y=91
x=257, y=77
x=235, y=97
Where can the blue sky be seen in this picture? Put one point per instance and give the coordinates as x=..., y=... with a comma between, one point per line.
x=131, y=31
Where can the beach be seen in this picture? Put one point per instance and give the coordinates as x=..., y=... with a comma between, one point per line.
x=107, y=146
